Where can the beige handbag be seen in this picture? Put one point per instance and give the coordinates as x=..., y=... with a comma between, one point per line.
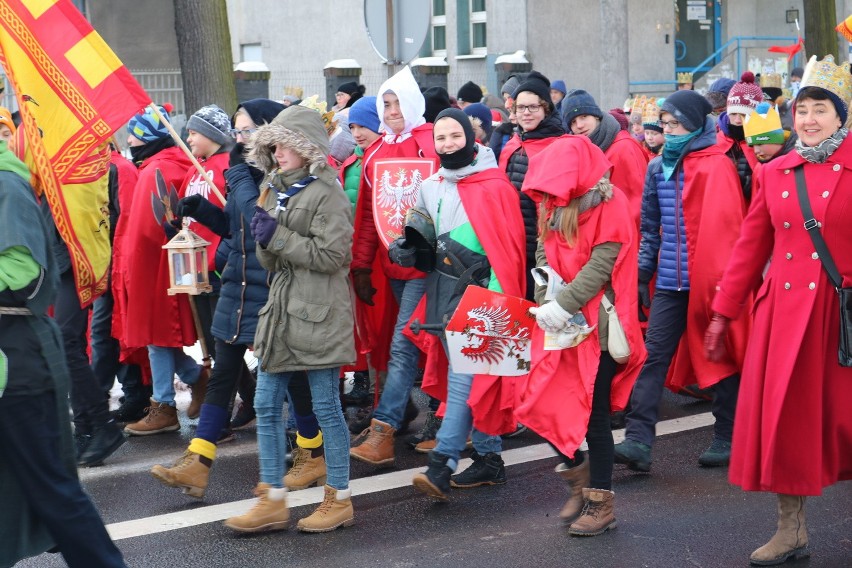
x=617, y=344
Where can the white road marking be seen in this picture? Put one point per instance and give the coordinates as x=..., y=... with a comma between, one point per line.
x=362, y=486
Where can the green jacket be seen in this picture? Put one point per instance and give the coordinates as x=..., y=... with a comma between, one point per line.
x=307, y=322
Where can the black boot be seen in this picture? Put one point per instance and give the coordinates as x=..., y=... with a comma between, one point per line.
x=435, y=481
x=130, y=411
x=360, y=393
x=485, y=470
x=410, y=415
x=105, y=440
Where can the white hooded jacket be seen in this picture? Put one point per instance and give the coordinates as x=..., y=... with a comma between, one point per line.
x=411, y=102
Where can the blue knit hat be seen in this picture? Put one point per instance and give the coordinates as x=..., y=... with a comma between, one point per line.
x=363, y=113
x=483, y=113
x=559, y=85
x=147, y=126
x=576, y=104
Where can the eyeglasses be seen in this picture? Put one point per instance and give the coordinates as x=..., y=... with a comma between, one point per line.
x=245, y=133
x=521, y=109
x=670, y=123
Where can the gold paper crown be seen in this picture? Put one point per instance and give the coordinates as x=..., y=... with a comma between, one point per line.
x=765, y=121
x=628, y=104
x=321, y=106
x=684, y=78
x=770, y=80
x=826, y=75
x=651, y=112
x=638, y=104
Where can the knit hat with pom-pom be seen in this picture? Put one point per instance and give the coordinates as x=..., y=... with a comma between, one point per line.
x=744, y=96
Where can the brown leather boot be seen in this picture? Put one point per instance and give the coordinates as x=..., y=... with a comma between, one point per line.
x=597, y=516
x=190, y=473
x=270, y=513
x=377, y=448
x=308, y=469
x=198, y=390
x=791, y=538
x=161, y=418
x=335, y=511
x=576, y=477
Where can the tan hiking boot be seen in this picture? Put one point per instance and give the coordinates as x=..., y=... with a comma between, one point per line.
x=161, y=418
x=377, y=448
x=335, y=511
x=597, y=516
x=190, y=473
x=791, y=538
x=308, y=469
x=577, y=478
x=199, y=391
x=270, y=513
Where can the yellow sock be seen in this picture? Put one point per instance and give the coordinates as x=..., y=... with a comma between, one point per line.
x=203, y=448
x=309, y=443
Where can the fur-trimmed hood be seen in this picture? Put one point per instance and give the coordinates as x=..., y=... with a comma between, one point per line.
x=297, y=127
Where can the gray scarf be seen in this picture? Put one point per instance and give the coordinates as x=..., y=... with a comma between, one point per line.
x=821, y=152
x=604, y=134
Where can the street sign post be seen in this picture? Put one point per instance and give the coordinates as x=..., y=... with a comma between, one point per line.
x=397, y=29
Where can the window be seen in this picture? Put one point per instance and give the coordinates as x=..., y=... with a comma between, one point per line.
x=439, y=27
x=478, y=35
x=251, y=52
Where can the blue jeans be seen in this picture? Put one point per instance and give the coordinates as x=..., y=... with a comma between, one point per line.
x=271, y=438
x=165, y=362
x=404, y=355
x=458, y=422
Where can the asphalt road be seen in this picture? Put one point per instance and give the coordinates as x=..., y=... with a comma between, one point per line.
x=680, y=515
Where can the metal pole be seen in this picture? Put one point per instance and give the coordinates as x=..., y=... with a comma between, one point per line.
x=391, y=54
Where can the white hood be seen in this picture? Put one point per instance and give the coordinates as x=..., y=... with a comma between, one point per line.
x=411, y=100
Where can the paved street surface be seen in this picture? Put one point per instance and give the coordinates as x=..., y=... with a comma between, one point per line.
x=681, y=515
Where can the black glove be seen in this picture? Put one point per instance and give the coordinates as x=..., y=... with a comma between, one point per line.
x=644, y=289
x=400, y=253
x=362, y=282
x=200, y=209
x=237, y=154
x=172, y=227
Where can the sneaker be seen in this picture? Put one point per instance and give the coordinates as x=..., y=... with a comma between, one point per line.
x=360, y=393
x=636, y=455
x=485, y=470
x=105, y=440
x=362, y=419
x=130, y=411
x=244, y=417
x=519, y=429
x=429, y=431
x=717, y=455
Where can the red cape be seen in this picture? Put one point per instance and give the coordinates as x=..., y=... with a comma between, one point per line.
x=151, y=316
x=531, y=146
x=629, y=164
x=374, y=324
x=711, y=184
x=485, y=196
x=556, y=399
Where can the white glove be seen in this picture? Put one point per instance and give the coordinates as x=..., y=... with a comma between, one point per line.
x=551, y=317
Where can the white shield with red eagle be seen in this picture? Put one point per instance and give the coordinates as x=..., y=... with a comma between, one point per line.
x=396, y=185
x=490, y=333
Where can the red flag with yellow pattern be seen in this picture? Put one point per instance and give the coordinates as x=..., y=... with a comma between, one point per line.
x=73, y=94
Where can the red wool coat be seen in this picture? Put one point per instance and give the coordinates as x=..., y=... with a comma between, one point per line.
x=629, y=163
x=710, y=184
x=151, y=316
x=793, y=427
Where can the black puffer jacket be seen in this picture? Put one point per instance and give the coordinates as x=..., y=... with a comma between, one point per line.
x=515, y=161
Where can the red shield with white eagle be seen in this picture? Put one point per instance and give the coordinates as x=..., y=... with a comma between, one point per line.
x=396, y=185
x=490, y=333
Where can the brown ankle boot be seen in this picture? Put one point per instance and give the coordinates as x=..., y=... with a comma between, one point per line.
x=335, y=510
x=199, y=391
x=308, y=469
x=577, y=477
x=597, y=516
x=377, y=448
x=190, y=473
x=791, y=538
x=270, y=513
x=160, y=418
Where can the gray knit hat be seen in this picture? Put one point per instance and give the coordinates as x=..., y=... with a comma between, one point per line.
x=212, y=122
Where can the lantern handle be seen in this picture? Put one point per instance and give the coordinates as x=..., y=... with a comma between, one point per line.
x=186, y=151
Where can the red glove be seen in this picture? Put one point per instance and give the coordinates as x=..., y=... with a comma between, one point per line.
x=714, y=338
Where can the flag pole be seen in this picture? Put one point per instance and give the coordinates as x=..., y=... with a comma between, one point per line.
x=180, y=143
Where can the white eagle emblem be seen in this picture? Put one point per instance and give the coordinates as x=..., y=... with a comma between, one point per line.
x=397, y=193
x=492, y=334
